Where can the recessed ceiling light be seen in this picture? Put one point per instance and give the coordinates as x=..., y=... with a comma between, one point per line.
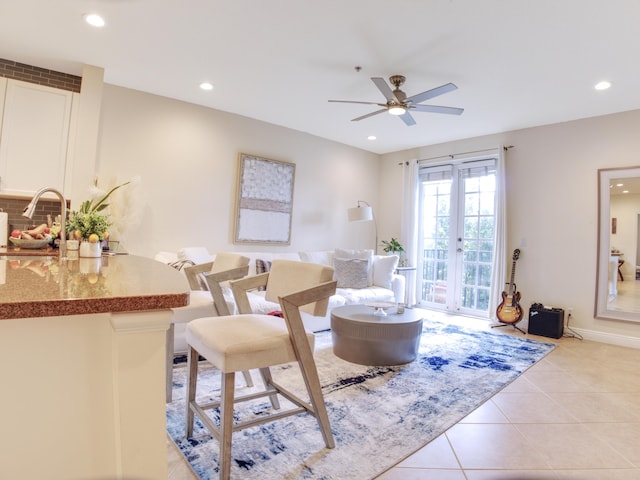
x=94, y=20
x=206, y=86
x=602, y=85
x=371, y=137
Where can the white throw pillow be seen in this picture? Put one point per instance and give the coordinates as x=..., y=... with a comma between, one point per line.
x=197, y=255
x=228, y=261
x=359, y=254
x=322, y=257
x=383, y=268
x=351, y=272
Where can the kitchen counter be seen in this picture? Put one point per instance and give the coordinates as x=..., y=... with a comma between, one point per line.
x=28, y=252
x=82, y=350
x=44, y=286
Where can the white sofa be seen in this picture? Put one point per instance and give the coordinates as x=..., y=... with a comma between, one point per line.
x=382, y=284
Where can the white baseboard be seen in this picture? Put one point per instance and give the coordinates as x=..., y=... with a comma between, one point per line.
x=611, y=338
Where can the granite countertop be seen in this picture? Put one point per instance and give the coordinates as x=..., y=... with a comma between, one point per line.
x=44, y=286
x=48, y=251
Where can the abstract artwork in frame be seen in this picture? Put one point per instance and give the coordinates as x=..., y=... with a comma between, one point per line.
x=265, y=200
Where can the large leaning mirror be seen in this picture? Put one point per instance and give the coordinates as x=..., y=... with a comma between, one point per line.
x=618, y=277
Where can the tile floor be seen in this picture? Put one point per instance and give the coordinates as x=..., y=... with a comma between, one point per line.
x=574, y=415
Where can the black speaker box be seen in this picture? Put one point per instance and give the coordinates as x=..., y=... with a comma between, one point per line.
x=547, y=322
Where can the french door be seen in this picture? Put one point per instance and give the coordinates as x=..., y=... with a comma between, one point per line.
x=457, y=218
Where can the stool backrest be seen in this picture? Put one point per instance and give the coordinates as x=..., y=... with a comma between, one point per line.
x=289, y=276
x=227, y=261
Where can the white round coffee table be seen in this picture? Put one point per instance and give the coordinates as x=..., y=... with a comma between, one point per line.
x=361, y=337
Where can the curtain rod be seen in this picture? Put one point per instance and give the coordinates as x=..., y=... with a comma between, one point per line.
x=454, y=155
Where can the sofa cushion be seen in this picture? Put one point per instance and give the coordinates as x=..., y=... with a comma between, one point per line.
x=351, y=272
x=383, y=268
x=355, y=296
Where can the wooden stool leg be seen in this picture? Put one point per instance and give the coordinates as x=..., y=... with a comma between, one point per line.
x=312, y=381
x=226, y=424
x=169, y=373
x=247, y=378
x=192, y=379
x=267, y=380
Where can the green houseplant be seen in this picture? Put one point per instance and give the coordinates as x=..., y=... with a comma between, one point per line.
x=392, y=246
x=88, y=220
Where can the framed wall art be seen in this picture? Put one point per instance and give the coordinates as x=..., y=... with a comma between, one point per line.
x=265, y=200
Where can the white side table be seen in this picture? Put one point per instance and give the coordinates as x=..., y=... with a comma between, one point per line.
x=406, y=272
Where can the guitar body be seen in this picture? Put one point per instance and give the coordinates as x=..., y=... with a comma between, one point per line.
x=509, y=310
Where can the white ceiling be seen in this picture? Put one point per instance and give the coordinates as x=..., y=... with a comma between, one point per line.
x=517, y=63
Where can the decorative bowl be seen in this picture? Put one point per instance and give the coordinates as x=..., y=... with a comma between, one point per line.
x=380, y=307
x=29, y=244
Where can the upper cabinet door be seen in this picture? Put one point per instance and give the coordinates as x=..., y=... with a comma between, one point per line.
x=33, y=138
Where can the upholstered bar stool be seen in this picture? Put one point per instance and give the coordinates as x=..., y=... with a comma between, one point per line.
x=253, y=341
x=211, y=275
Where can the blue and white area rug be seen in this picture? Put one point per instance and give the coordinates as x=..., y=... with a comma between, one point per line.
x=379, y=415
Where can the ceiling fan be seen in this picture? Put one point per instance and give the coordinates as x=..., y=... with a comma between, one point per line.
x=399, y=104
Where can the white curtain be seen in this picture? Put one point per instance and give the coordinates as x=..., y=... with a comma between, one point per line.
x=500, y=241
x=409, y=225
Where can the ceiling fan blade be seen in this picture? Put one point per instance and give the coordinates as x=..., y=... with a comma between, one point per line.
x=437, y=109
x=364, y=103
x=369, y=115
x=407, y=119
x=434, y=92
x=385, y=89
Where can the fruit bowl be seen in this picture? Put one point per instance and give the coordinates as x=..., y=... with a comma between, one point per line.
x=29, y=244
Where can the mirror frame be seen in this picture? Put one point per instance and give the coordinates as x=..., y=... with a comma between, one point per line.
x=604, y=248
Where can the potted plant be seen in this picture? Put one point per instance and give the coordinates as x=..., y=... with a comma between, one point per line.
x=392, y=246
x=90, y=226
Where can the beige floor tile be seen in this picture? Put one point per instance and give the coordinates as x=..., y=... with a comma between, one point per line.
x=522, y=385
x=488, y=412
x=438, y=454
x=559, y=381
x=598, y=474
x=510, y=475
x=532, y=408
x=571, y=446
x=421, y=474
x=596, y=407
x=483, y=446
x=622, y=437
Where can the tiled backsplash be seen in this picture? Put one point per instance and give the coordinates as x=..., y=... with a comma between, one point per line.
x=15, y=206
x=41, y=76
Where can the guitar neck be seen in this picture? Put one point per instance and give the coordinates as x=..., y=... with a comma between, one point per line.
x=512, y=286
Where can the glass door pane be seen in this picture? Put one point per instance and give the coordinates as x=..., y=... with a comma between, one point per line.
x=457, y=215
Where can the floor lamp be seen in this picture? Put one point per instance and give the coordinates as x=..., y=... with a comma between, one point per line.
x=364, y=214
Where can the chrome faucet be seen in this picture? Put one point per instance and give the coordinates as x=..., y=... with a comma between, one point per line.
x=30, y=209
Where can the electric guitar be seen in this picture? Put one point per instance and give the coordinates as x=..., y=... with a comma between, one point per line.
x=509, y=310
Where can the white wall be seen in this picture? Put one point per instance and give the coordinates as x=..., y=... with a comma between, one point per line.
x=187, y=159
x=552, y=205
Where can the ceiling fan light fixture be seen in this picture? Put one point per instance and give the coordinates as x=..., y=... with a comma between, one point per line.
x=397, y=110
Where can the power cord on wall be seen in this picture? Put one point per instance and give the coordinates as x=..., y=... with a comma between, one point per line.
x=569, y=332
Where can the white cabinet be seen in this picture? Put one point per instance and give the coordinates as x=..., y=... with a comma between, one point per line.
x=34, y=137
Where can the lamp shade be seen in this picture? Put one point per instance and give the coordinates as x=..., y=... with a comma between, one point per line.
x=360, y=214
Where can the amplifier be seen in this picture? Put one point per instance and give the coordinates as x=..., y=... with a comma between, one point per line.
x=546, y=321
